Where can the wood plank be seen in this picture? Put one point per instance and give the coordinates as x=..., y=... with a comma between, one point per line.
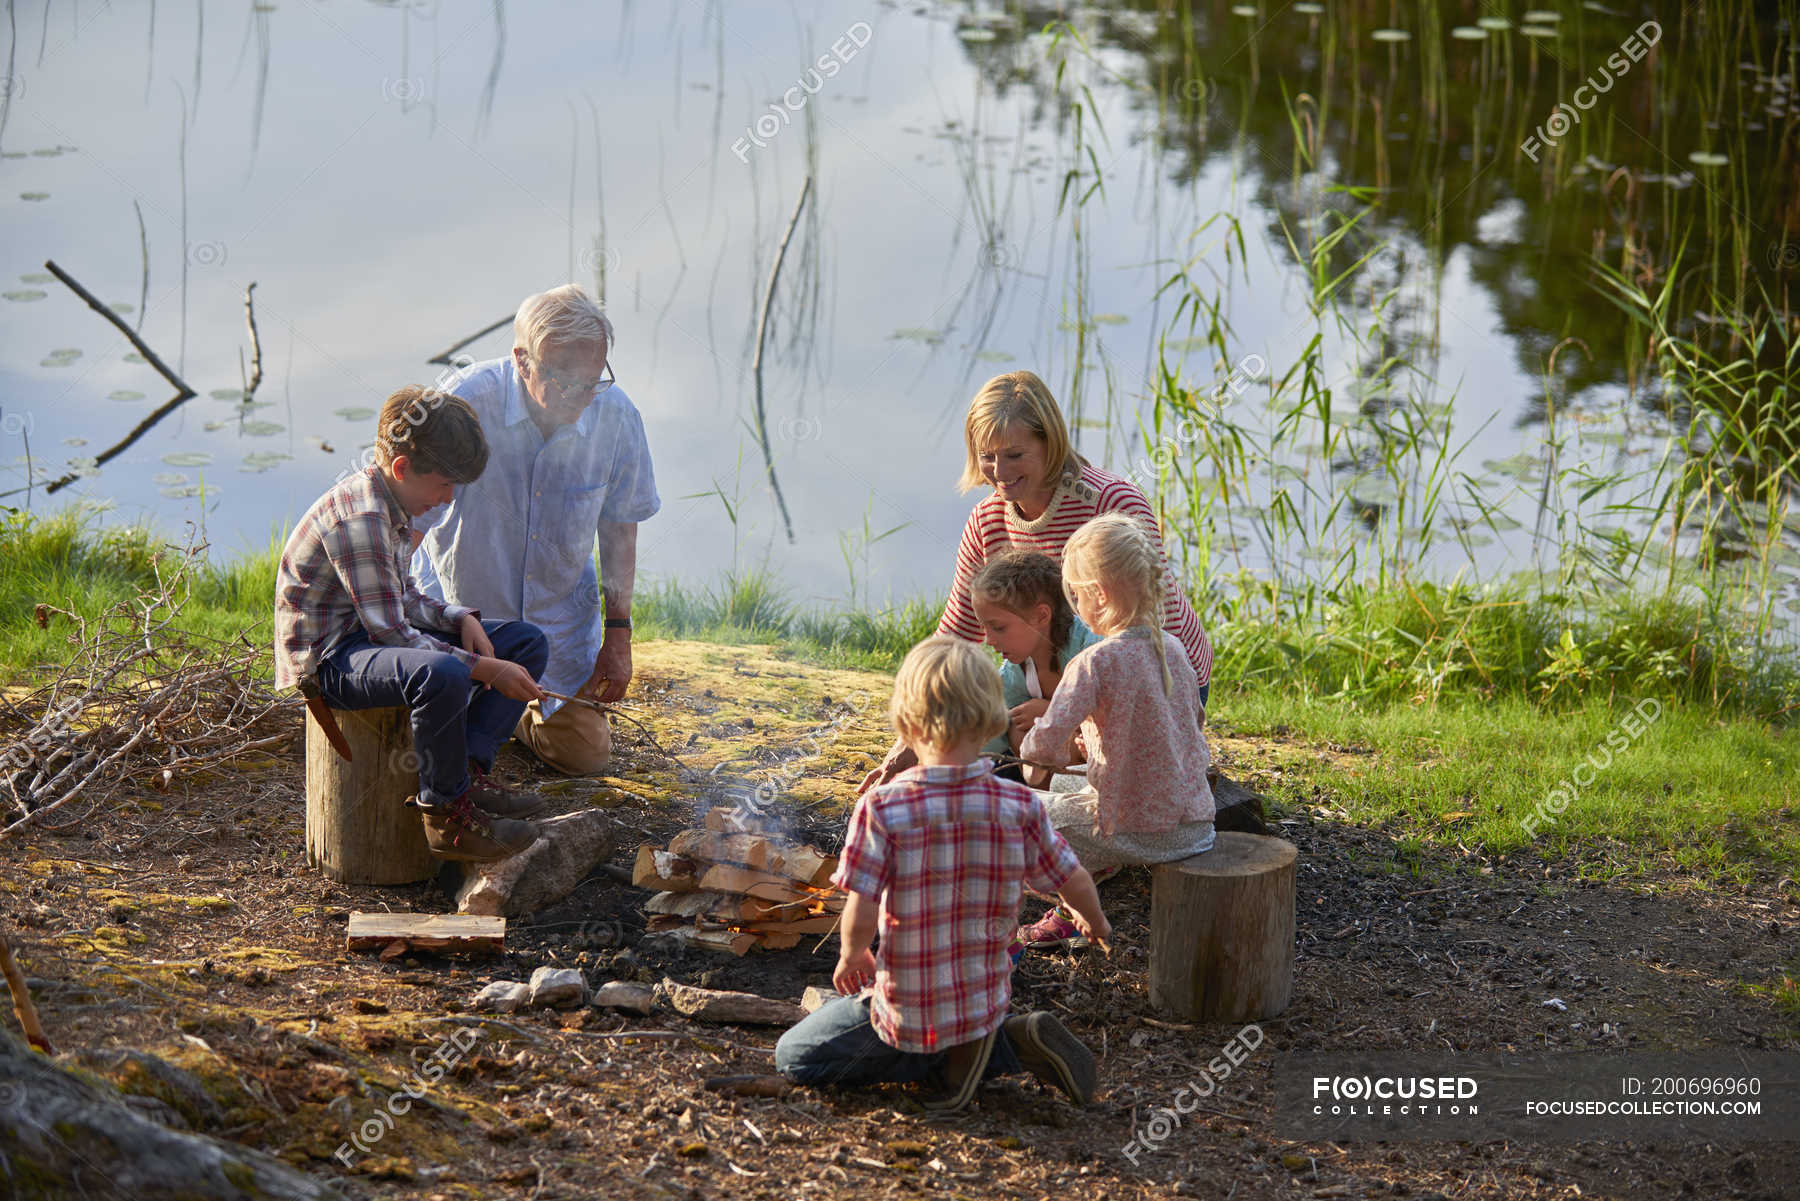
x=426, y=932
x=764, y=886
x=658, y=870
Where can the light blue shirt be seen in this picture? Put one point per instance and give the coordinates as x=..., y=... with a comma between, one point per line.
x=1016, y=687
x=518, y=543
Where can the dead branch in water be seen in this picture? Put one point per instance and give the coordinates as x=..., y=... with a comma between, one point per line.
x=255, y=342
x=762, y=332
x=442, y=357
x=183, y=392
x=139, y=699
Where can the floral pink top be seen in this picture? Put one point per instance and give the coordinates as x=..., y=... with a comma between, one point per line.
x=1147, y=758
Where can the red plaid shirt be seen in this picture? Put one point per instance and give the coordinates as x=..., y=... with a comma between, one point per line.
x=344, y=568
x=948, y=851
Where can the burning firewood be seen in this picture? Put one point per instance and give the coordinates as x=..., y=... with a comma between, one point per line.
x=732, y=885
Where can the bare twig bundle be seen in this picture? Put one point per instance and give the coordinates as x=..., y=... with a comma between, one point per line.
x=140, y=699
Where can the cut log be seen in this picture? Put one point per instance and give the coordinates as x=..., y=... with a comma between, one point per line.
x=1222, y=931
x=567, y=849
x=808, y=866
x=750, y=850
x=475, y=933
x=656, y=868
x=720, y=939
x=358, y=828
x=732, y=1008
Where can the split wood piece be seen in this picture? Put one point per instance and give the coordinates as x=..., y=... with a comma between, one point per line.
x=732, y=1008
x=764, y=886
x=721, y=939
x=358, y=827
x=757, y=851
x=470, y=932
x=656, y=868
x=721, y=906
x=1222, y=931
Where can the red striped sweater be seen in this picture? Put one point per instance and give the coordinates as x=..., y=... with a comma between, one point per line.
x=996, y=527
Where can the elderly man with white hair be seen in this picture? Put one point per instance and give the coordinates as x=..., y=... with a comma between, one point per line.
x=567, y=467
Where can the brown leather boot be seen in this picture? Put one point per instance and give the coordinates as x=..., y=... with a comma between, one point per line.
x=461, y=832
x=496, y=800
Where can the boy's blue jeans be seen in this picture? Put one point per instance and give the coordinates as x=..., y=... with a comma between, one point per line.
x=837, y=1044
x=450, y=725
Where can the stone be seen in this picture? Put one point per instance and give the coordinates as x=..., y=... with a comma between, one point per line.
x=502, y=996
x=558, y=987
x=624, y=994
x=567, y=849
x=728, y=1008
x=814, y=998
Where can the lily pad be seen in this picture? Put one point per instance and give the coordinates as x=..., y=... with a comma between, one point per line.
x=119, y=306
x=354, y=413
x=974, y=33
x=1537, y=31
x=188, y=458
x=227, y=394
x=75, y=441
x=60, y=358
x=135, y=357
x=1306, y=8
x=34, y=195
x=1391, y=35
x=995, y=356
x=1244, y=10
x=1111, y=319
x=1541, y=16
x=262, y=429
x=124, y=394
x=1706, y=158
x=37, y=277
x=188, y=491
x=25, y=295
x=1469, y=33
x=169, y=479
x=1494, y=24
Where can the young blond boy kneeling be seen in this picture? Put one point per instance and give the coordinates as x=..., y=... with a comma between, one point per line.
x=937, y=859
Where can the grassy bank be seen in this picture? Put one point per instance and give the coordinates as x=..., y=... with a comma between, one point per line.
x=1451, y=717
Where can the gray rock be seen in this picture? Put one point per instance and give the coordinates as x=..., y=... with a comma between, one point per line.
x=567, y=849
x=623, y=994
x=561, y=987
x=502, y=996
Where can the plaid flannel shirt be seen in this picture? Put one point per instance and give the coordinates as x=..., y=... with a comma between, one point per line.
x=344, y=568
x=948, y=851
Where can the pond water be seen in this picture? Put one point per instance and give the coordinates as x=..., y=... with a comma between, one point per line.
x=396, y=176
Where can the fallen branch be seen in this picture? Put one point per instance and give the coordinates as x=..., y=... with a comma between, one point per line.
x=21, y=999
x=183, y=392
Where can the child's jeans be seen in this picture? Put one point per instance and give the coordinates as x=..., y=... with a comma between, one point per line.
x=1072, y=814
x=837, y=1044
x=450, y=725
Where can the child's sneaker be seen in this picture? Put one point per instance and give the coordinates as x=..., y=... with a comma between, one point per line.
x=964, y=1067
x=461, y=832
x=1048, y=1051
x=1053, y=931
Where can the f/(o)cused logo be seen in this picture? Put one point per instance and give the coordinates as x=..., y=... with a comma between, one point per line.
x=594, y=259
x=206, y=254
x=1784, y=256
x=800, y=429
x=998, y=256
x=12, y=86
x=408, y=760
x=404, y=90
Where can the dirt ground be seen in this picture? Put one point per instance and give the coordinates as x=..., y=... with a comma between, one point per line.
x=187, y=924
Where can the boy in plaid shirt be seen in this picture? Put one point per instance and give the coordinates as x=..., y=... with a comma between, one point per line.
x=351, y=628
x=937, y=858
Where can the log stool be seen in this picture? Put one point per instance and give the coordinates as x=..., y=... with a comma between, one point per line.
x=358, y=828
x=1222, y=931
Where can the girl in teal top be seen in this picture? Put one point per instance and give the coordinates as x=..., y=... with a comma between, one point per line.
x=1018, y=598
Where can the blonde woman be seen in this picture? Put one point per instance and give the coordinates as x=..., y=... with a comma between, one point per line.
x=1016, y=442
x=1133, y=699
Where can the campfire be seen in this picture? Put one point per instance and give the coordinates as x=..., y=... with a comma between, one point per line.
x=735, y=884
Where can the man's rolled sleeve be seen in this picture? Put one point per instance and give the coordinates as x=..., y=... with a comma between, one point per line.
x=631, y=492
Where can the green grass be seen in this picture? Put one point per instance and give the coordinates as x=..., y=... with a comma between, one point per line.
x=1694, y=791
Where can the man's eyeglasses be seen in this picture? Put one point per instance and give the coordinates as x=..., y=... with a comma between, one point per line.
x=577, y=387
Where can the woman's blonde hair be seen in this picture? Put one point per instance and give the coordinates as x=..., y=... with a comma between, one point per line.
x=1117, y=553
x=1016, y=398
x=947, y=692
x=564, y=316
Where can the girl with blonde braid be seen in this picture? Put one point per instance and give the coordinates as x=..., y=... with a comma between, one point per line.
x=1134, y=701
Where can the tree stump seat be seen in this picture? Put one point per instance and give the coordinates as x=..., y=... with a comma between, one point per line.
x=1222, y=931
x=358, y=827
